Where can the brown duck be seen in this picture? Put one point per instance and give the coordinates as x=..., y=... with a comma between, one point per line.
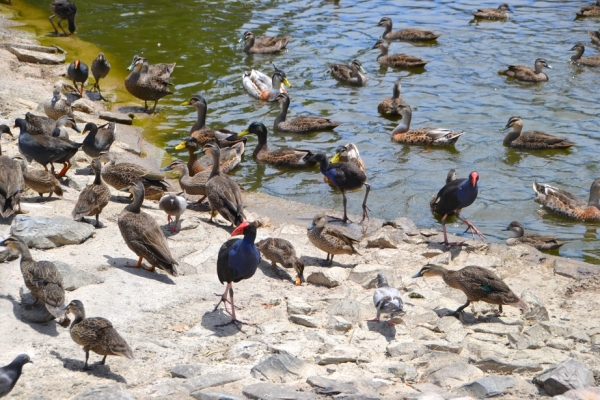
x=593, y=61
x=531, y=139
x=593, y=10
x=396, y=60
x=122, y=175
x=497, y=14
x=410, y=34
x=302, y=123
x=540, y=242
x=424, y=135
x=93, y=198
x=330, y=239
x=568, y=205
x=229, y=159
x=11, y=182
x=146, y=85
x=40, y=181
x=354, y=74
x=265, y=44
x=202, y=132
x=528, y=74
x=281, y=251
x=392, y=105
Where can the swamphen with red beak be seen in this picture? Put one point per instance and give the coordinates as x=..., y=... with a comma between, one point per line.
x=238, y=259
x=452, y=198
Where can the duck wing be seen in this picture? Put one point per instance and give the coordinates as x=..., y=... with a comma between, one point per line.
x=544, y=139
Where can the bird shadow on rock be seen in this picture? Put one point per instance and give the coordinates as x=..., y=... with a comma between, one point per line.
x=39, y=199
x=211, y=320
x=200, y=207
x=126, y=264
x=84, y=171
x=45, y=328
x=317, y=262
x=382, y=327
x=134, y=110
x=97, y=370
x=467, y=318
x=274, y=273
x=226, y=227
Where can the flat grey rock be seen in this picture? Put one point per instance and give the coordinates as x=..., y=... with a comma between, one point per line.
x=187, y=371
x=404, y=224
x=305, y=320
x=28, y=312
x=590, y=393
x=348, y=309
x=211, y=380
x=270, y=391
x=215, y=396
x=569, y=374
x=299, y=306
x=366, y=274
x=341, y=355
x=490, y=386
x=116, y=117
x=280, y=368
x=50, y=232
x=493, y=364
x=455, y=375
x=329, y=387
x=338, y=325
x=106, y=393
x=36, y=57
x=329, y=277
x=537, y=311
x=74, y=278
x=405, y=372
x=358, y=396
x=574, y=269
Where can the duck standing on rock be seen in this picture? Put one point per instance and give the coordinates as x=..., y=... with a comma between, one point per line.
x=568, y=205
x=540, y=242
x=123, y=175
x=330, y=239
x=148, y=84
x=479, y=284
x=93, y=198
x=57, y=106
x=100, y=68
x=531, y=139
x=79, y=72
x=10, y=374
x=174, y=205
x=40, y=125
x=63, y=9
x=386, y=299
x=39, y=181
x=238, y=259
x=99, y=138
x=11, y=182
x=281, y=251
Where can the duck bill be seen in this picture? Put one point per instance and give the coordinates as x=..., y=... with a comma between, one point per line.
x=130, y=68
x=185, y=103
x=375, y=46
x=335, y=158
x=167, y=168
x=286, y=82
x=549, y=66
x=201, y=151
x=504, y=129
x=418, y=275
x=180, y=146
x=311, y=227
x=76, y=128
x=125, y=189
x=362, y=69
x=54, y=99
x=244, y=132
x=240, y=229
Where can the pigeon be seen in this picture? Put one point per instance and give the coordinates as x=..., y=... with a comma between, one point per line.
x=386, y=299
x=9, y=374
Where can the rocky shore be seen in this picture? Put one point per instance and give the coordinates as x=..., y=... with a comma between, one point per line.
x=306, y=342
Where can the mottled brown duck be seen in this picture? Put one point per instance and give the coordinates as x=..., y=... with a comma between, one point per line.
x=122, y=175
x=496, y=14
x=163, y=70
x=595, y=36
x=56, y=107
x=540, y=242
x=593, y=61
x=568, y=205
x=354, y=74
x=392, y=105
x=265, y=44
x=593, y=10
x=528, y=74
x=60, y=128
x=40, y=125
x=531, y=139
x=281, y=251
x=302, y=123
x=396, y=60
x=202, y=132
x=230, y=156
x=40, y=181
x=424, y=135
x=99, y=138
x=330, y=239
x=93, y=198
x=11, y=182
x=409, y=34
x=192, y=185
x=145, y=85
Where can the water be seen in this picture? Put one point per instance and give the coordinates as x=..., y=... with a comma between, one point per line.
x=459, y=89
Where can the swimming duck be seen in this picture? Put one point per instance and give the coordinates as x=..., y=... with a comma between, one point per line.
x=540, y=242
x=229, y=159
x=146, y=85
x=93, y=198
x=40, y=125
x=238, y=260
x=527, y=74
x=10, y=374
x=100, y=68
x=42, y=278
x=410, y=34
x=531, y=139
x=352, y=75
x=263, y=87
x=595, y=36
x=348, y=153
x=96, y=334
x=224, y=195
x=391, y=106
x=78, y=72
x=39, y=181
x=122, y=175
x=499, y=13
x=281, y=251
x=593, y=61
x=57, y=106
x=174, y=205
x=143, y=236
x=300, y=124
x=386, y=299
x=265, y=44
x=396, y=60
x=284, y=156
x=11, y=182
x=424, y=135
x=202, y=132
x=593, y=10
x=477, y=283
x=452, y=198
x=568, y=205
x=330, y=239
x=63, y=9
x=99, y=138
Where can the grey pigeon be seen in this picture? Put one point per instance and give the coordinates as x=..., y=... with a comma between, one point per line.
x=386, y=299
x=9, y=375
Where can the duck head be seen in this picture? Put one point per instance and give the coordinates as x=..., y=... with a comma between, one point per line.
x=256, y=128
x=430, y=270
x=358, y=65
x=132, y=66
x=190, y=143
x=515, y=228
x=319, y=221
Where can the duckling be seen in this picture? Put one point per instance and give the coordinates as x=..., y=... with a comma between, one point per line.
x=146, y=85
x=100, y=68
x=396, y=60
x=354, y=74
x=595, y=36
x=264, y=45
x=11, y=182
x=200, y=131
x=39, y=181
x=60, y=129
x=301, y=124
x=281, y=251
x=40, y=125
x=478, y=284
x=531, y=139
x=592, y=10
x=424, y=135
x=143, y=236
x=499, y=13
x=78, y=71
x=42, y=278
x=224, y=195
x=330, y=239
x=174, y=205
x=410, y=34
x=10, y=374
x=93, y=198
x=593, y=61
x=568, y=205
x=282, y=157
x=263, y=87
x=57, y=106
x=348, y=153
x=63, y=9
x=163, y=70
x=391, y=106
x=540, y=242
x=96, y=334
x=386, y=299
x=99, y=139
x=527, y=74
x=230, y=156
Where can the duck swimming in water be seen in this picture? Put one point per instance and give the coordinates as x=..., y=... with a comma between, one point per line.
x=568, y=205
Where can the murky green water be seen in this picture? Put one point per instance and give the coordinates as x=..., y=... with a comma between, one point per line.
x=459, y=89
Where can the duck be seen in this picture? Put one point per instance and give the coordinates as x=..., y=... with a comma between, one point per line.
x=477, y=283
x=386, y=299
x=193, y=185
x=63, y=9
x=265, y=44
x=593, y=10
x=410, y=34
x=348, y=153
x=174, y=205
x=278, y=250
x=147, y=85
x=230, y=156
x=57, y=106
x=96, y=334
x=78, y=71
x=527, y=74
x=224, y=195
x=143, y=236
x=238, y=260
x=93, y=198
x=391, y=105
x=568, y=205
x=40, y=125
x=40, y=181
x=595, y=36
x=354, y=74
x=100, y=69
x=99, y=138
x=202, y=132
x=424, y=135
x=60, y=129
x=396, y=60
x=10, y=374
x=452, y=198
x=300, y=124
x=330, y=239
x=42, y=278
x=163, y=70
x=263, y=87
x=122, y=175
x=500, y=13
x=531, y=139
x=283, y=156
x=593, y=61
x=540, y=242
x=11, y=182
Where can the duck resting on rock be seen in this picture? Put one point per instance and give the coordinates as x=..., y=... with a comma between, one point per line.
x=540, y=242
